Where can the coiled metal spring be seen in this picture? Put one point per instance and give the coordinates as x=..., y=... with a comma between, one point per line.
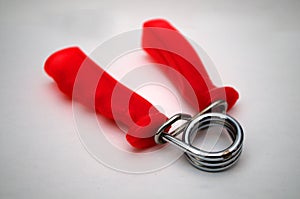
x=205, y=160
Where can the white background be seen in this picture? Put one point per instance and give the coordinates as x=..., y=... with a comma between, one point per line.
x=254, y=44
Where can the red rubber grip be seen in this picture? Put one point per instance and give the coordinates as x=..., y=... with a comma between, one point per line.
x=167, y=46
x=140, y=116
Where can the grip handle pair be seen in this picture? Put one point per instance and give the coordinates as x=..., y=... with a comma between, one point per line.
x=166, y=46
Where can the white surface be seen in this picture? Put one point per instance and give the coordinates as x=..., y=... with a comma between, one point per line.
x=255, y=46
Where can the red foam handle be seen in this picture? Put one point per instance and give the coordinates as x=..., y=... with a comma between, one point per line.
x=129, y=108
x=167, y=46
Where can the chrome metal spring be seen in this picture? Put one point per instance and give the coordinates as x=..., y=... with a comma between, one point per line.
x=204, y=160
x=214, y=161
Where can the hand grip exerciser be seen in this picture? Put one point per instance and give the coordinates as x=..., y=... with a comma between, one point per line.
x=147, y=128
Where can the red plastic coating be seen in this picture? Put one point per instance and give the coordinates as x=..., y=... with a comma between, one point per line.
x=141, y=117
x=168, y=47
x=129, y=108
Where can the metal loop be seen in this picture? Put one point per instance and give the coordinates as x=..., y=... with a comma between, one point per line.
x=180, y=116
x=204, y=160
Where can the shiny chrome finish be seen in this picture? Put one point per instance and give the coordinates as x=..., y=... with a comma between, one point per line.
x=205, y=160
